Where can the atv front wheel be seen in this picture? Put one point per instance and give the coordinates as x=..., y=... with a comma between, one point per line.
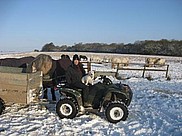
x=66, y=108
x=2, y=107
x=116, y=111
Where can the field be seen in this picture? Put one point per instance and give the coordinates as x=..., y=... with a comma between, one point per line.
x=155, y=109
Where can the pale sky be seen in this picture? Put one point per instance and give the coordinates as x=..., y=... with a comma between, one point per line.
x=26, y=25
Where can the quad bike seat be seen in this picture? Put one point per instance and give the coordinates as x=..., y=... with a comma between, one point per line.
x=74, y=88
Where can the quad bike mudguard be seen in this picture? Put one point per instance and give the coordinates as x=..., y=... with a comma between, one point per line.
x=72, y=93
x=126, y=91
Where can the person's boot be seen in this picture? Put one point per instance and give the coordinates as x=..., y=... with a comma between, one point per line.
x=87, y=103
x=82, y=109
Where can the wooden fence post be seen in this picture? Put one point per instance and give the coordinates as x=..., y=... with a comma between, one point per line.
x=167, y=71
x=89, y=66
x=143, y=71
x=112, y=65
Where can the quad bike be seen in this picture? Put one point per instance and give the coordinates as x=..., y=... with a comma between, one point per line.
x=112, y=98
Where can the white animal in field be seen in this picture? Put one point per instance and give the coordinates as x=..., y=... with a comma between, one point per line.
x=95, y=59
x=122, y=61
x=89, y=78
x=155, y=61
x=106, y=60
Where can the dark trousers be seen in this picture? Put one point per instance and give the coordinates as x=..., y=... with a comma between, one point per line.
x=52, y=93
x=84, y=87
x=46, y=85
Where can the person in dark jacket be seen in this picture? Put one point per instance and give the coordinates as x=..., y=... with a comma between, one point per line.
x=74, y=74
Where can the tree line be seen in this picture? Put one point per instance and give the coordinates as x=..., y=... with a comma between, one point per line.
x=147, y=47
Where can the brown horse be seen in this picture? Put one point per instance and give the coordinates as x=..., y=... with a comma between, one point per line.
x=53, y=71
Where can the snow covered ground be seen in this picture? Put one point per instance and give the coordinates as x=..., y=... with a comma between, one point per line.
x=156, y=108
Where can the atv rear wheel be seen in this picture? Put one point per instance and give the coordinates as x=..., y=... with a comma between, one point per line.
x=2, y=106
x=66, y=108
x=116, y=111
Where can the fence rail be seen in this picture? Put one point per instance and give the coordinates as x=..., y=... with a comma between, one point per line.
x=143, y=67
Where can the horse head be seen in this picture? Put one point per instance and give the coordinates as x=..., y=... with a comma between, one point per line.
x=42, y=63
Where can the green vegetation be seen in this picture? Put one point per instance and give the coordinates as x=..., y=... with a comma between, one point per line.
x=147, y=47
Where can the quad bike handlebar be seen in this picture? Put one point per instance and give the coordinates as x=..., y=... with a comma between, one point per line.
x=105, y=79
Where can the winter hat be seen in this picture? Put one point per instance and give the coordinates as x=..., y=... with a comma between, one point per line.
x=76, y=57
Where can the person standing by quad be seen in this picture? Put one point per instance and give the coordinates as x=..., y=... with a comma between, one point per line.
x=74, y=74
